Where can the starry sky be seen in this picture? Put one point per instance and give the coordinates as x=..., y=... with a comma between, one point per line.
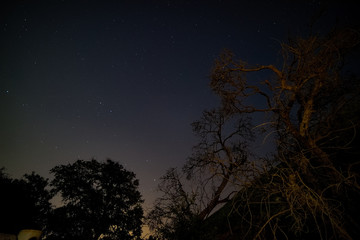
x=125, y=79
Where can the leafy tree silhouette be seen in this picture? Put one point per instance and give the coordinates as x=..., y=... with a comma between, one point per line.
x=24, y=202
x=100, y=200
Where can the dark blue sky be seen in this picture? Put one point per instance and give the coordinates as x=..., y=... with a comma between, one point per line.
x=125, y=79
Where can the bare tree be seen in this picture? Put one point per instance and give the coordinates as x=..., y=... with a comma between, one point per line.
x=306, y=186
x=220, y=157
x=174, y=210
x=304, y=100
x=207, y=179
x=304, y=97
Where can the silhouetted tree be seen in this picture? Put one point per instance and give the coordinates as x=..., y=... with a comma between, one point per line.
x=310, y=105
x=221, y=155
x=100, y=200
x=25, y=203
x=174, y=212
x=217, y=161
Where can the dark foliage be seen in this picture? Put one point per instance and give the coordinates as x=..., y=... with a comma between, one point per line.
x=24, y=203
x=100, y=199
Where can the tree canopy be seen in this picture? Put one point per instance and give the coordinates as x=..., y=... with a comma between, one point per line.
x=24, y=202
x=100, y=200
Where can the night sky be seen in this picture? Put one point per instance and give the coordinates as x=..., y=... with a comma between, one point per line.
x=125, y=79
